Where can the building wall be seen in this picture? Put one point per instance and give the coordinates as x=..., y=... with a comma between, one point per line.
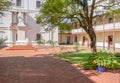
x=29, y=6
x=6, y=19
x=117, y=39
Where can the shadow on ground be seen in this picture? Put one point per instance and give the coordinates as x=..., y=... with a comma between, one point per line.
x=39, y=69
x=2, y=47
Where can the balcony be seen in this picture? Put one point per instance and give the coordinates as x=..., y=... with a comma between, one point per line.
x=18, y=17
x=76, y=31
x=107, y=26
x=100, y=28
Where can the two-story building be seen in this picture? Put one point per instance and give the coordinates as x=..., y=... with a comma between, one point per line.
x=107, y=30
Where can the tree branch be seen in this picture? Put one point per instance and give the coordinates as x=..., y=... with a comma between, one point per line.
x=92, y=9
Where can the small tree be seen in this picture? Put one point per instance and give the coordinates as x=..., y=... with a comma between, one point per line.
x=76, y=46
x=52, y=43
x=2, y=41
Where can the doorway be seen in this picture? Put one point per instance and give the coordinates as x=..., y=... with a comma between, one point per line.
x=76, y=39
x=110, y=40
x=68, y=39
x=83, y=41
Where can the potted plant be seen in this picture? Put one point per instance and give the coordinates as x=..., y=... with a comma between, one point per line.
x=103, y=60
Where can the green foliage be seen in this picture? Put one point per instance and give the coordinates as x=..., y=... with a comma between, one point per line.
x=62, y=47
x=52, y=43
x=4, y=4
x=76, y=46
x=39, y=42
x=113, y=12
x=61, y=13
x=118, y=62
x=89, y=65
x=105, y=59
x=56, y=13
x=79, y=58
x=2, y=41
x=87, y=60
x=64, y=27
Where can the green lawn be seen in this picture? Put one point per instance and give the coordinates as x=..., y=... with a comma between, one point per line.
x=79, y=58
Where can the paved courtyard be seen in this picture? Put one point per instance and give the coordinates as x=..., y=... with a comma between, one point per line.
x=31, y=66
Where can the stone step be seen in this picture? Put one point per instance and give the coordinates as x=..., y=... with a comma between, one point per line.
x=21, y=47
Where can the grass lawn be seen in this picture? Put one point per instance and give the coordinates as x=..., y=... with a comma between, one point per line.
x=79, y=58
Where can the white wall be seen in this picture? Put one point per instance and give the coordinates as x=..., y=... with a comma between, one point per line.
x=34, y=28
x=6, y=19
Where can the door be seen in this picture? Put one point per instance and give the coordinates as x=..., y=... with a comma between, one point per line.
x=68, y=39
x=76, y=39
x=83, y=41
x=110, y=41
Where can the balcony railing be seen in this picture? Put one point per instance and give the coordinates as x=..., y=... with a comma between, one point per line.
x=76, y=30
x=109, y=26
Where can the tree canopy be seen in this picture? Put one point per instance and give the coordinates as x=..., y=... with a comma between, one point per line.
x=4, y=4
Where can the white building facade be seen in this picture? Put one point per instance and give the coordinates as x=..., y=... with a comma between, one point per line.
x=19, y=25
x=107, y=30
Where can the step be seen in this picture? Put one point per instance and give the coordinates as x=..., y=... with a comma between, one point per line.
x=21, y=47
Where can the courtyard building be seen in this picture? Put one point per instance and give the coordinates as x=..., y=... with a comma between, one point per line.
x=19, y=26
x=107, y=31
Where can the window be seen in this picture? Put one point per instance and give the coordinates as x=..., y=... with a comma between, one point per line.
x=0, y=18
x=18, y=2
x=110, y=20
x=38, y=4
x=38, y=36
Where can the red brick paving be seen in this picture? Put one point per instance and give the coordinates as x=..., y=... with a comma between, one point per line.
x=38, y=66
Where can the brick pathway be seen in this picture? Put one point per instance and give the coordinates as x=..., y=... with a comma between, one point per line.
x=30, y=66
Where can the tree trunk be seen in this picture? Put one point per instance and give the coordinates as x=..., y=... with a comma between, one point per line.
x=92, y=36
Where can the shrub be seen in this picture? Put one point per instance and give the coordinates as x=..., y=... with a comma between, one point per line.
x=2, y=41
x=117, y=54
x=61, y=48
x=52, y=43
x=39, y=42
x=76, y=46
x=105, y=59
x=89, y=65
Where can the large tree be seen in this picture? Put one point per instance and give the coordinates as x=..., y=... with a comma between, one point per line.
x=62, y=12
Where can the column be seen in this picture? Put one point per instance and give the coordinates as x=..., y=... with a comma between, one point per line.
x=103, y=33
x=114, y=34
